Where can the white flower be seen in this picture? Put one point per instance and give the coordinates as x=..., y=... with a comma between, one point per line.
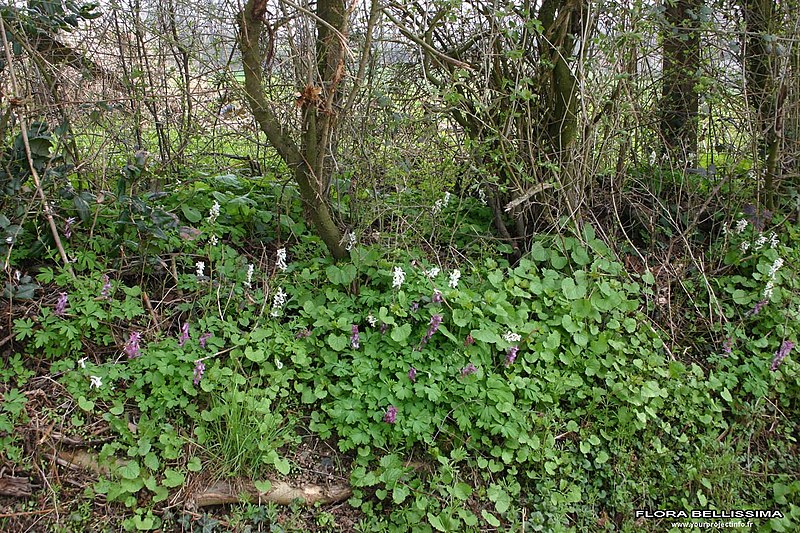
x=213, y=240
x=351, y=241
x=214, y=212
x=744, y=246
x=277, y=302
x=249, y=282
x=433, y=272
x=482, y=196
x=372, y=320
x=278, y=364
x=775, y=267
x=399, y=278
x=773, y=240
x=768, y=290
x=280, y=260
x=441, y=203
x=741, y=226
x=446, y=198
x=761, y=241
x=511, y=337
x=455, y=275
x=201, y=267
x=82, y=362
x=96, y=382
x=652, y=158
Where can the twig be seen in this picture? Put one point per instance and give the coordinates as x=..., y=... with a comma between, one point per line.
x=26, y=143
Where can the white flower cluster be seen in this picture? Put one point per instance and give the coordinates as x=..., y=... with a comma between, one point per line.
x=277, y=302
x=280, y=260
x=455, y=275
x=512, y=337
x=763, y=239
x=372, y=320
x=482, y=197
x=201, y=268
x=773, y=270
x=433, y=272
x=95, y=382
x=398, y=277
x=441, y=203
x=214, y=213
x=351, y=241
x=249, y=281
x=741, y=226
x=213, y=240
x=744, y=246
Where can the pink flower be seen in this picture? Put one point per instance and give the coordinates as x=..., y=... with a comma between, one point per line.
x=203, y=338
x=391, y=415
x=61, y=304
x=199, y=368
x=781, y=354
x=512, y=355
x=469, y=341
x=184, y=334
x=132, y=348
x=468, y=370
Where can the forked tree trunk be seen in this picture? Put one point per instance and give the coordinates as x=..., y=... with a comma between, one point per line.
x=308, y=160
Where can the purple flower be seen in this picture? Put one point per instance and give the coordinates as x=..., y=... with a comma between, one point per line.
x=132, y=348
x=781, y=354
x=414, y=307
x=184, y=334
x=391, y=415
x=354, y=338
x=469, y=341
x=758, y=307
x=727, y=346
x=468, y=370
x=106, y=291
x=203, y=338
x=511, y=355
x=384, y=328
x=412, y=374
x=68, y=227
x=199, y=368
x=433, y=327
x=437, y=296
x=303, y=334
x=61, y=304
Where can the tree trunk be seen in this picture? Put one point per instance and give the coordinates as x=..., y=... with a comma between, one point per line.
x=680, y=66
x=308, y=161
x=762, y=19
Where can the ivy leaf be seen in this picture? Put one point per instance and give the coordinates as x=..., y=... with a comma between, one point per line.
x=337, y=342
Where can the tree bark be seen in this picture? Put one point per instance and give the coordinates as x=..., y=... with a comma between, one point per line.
x=680, y=66
x=307, y=161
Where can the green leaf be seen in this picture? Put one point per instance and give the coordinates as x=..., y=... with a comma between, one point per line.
x=130, y=471
x=462, y=491
x=86, y=405
x=401, y=333
x=726, y=394
x=191, y=214
x=255, y=355
x=485, y=335
x=491, y=519
x=173, y=478
x=194, y=464
x=337, y=342
x=436, y=522
x=263, y=486
x=151, y=461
